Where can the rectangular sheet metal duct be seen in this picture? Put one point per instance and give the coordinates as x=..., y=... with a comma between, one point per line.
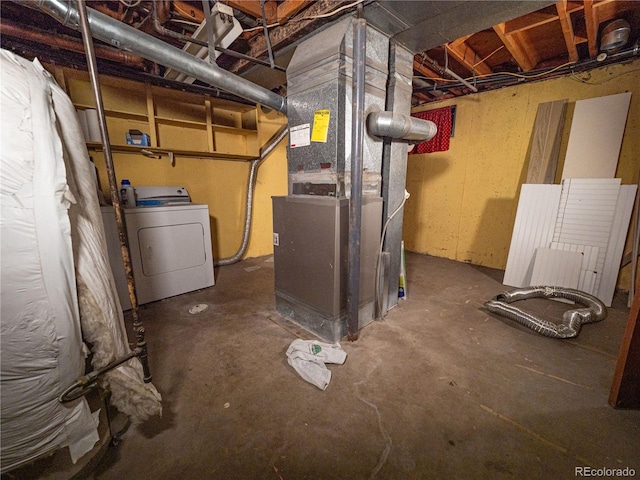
x=319, y=104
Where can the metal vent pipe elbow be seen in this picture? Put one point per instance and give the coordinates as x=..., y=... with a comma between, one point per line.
x=399, y=126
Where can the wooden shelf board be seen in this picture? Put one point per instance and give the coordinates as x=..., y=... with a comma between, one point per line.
x=178, y=153
x=117, y=113
x=181, y=123
x=233, y=130
x=203, y=125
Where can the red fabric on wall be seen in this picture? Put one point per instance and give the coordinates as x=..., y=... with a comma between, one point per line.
x=440, y=143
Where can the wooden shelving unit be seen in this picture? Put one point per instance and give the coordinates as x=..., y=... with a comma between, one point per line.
x=183, y=123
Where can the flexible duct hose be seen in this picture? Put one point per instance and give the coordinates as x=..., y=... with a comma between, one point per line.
x=572, y=320
x=251, y=183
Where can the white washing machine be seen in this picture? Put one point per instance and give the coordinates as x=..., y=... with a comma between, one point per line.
x=170, y=248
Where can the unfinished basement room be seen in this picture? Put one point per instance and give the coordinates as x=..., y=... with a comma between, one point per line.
x=319, y=239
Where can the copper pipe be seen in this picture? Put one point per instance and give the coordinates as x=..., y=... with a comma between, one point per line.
x=163, y=11
x=64, y=42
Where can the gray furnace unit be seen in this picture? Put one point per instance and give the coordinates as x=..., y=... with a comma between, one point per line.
x=311, y=224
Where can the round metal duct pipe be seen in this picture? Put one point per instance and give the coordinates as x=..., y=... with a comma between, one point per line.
x=399, y=126
x=615, y=35
x=572, y=320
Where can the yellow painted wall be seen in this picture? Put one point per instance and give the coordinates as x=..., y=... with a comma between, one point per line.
x=463, y=202
x=221, y=184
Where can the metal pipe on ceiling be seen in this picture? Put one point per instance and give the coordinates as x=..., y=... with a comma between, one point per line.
x=158, y=27
x=127, y=38
x=67, y=43
x=447, y=71
x=357, y=162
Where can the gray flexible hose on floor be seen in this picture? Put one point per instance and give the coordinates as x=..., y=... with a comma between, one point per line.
x=572, y=320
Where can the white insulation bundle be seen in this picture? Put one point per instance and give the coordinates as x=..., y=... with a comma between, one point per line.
x=56, y=285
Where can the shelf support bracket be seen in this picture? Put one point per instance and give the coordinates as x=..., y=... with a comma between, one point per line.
x=158, y=154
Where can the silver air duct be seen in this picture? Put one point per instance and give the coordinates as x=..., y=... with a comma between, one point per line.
x=318, y=283
x=394, y=174
x=399, y=126
x=251, y=185
x=128, y=38
x=572, y=320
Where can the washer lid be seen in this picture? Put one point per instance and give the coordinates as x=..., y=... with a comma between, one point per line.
x=158, y=195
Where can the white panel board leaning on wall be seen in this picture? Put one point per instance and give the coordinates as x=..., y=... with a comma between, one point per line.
x=57, y=287
x=589, y=213
x=596, y=135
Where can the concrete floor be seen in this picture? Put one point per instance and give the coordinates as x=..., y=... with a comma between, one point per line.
x=439, y=389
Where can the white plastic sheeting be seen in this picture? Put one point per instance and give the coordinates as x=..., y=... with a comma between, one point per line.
x=53, y=247
x=41, y=339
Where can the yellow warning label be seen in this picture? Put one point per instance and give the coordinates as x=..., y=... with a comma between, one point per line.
x=320, y=125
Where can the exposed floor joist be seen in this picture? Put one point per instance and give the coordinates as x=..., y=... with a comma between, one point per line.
x=567, y=30
x=517, y=47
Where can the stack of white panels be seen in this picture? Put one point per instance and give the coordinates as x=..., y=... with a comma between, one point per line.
x=588, y=217
x=573, y=235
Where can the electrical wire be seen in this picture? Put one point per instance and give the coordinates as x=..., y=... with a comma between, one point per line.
x=488, y=56
x=382, y=237
x=325, y=15
x=260, y=27
x=185, y=22
x=518, y=75
x=132, y=4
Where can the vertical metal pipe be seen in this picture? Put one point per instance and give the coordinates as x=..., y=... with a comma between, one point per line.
x=113, y=186
x=206, y=9
x=355, y=203
x=266, y=33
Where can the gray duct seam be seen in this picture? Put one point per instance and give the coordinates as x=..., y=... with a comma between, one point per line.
x=572, y=320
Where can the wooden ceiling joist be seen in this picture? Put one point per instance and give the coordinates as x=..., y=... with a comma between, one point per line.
x=289, y=8
x=531, y=20
x=252, y=7
x=517, y=48
x=288, y=33
x=468, y=57
x=188, y=11
x=567, y=30
x=591, y=20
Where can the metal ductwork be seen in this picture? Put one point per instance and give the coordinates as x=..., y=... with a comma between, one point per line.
x=572, y=320
x=394, y=174
x=251, y=185
x=312, y=234
x=128, y=38
x=401, y=127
